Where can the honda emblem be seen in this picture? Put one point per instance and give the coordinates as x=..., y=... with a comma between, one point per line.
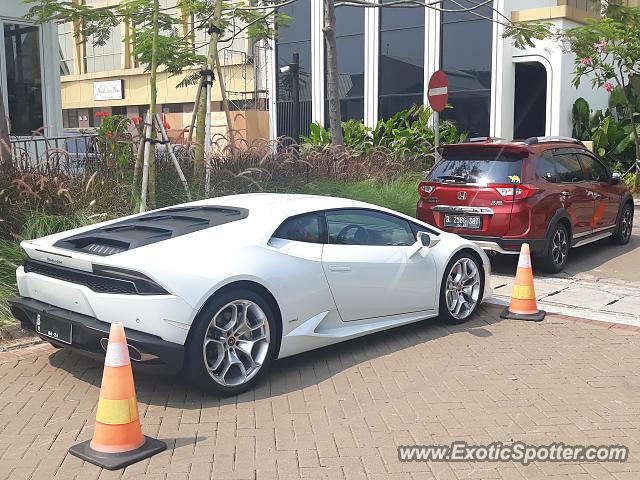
x=462, y=195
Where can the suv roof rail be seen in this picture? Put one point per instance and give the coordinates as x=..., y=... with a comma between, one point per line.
x=483, y=139
x=551, y=138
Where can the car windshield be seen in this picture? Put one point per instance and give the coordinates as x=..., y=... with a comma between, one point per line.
x=466, y=166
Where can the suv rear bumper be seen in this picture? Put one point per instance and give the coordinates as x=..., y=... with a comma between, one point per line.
x=152, y=353
x=507, y=246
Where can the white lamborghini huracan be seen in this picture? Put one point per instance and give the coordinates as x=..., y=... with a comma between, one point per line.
x=219, y=288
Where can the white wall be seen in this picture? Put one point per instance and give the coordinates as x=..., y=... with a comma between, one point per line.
x=13, y=11
x=559, y=65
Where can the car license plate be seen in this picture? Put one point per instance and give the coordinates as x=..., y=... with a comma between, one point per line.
x=53, y=328
x=473, y=222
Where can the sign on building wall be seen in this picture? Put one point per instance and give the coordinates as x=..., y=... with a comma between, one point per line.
x=108, y=90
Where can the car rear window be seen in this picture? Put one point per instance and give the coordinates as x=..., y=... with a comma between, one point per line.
x=467, y=166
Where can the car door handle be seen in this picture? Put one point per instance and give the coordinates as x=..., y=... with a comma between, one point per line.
x=339, y=268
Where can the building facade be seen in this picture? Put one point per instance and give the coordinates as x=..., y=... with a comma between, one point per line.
x=387, y=55
x=29, y=74
x=108, y=78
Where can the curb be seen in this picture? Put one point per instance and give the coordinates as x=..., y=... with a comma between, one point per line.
x=633, y=329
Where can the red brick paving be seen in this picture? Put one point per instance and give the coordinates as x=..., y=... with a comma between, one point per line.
x=340, y=412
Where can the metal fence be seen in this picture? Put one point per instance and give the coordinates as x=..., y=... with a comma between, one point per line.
x=286, y=118
x=71, y=154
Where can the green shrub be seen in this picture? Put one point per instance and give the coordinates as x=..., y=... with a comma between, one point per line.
x=39, y=224
x=610, y=130
x=11, y=256
x=399, y=194
x=407, y=134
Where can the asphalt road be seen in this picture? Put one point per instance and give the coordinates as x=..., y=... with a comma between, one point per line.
x=597, y=261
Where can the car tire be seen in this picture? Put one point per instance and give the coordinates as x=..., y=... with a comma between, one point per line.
x=218, y=342
x=554, y=258
x=461, y=289
x=622, y=234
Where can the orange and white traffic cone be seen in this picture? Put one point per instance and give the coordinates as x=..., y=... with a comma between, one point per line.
x=117, y=439
x=523, y=298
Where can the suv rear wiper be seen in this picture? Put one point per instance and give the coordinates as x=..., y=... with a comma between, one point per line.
x=458, y=178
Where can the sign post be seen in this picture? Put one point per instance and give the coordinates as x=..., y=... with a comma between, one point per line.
x=438, y=95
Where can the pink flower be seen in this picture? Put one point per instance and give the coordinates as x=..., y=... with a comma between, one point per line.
x=608, y=86
x=600, y=46
x=586, y=61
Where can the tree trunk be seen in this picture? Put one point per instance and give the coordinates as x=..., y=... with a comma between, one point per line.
x=333, y=92
x=152, y=104
x=637, y=182
x=5, y=142
x=202, y=105
x=225, y=101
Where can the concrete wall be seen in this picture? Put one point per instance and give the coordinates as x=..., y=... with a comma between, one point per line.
x=77, y=90
x=12, y=11
x=560, y=92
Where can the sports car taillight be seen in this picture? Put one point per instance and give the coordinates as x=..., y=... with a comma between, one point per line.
x=515, y=192
x=143, y=284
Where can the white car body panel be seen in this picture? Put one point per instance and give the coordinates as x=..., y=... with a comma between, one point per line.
x=383, y=287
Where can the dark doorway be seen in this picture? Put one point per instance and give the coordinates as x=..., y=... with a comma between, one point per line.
x=530, y=100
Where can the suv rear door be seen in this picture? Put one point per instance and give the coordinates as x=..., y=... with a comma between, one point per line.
x=575, y=196
x=466, y=180
x=605, y=196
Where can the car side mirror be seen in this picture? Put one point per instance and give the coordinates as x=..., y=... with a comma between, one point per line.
x=424, y=240
x=615, y=178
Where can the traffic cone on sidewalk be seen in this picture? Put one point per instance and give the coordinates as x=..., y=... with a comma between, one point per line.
x=523, y=298
x=117, y=438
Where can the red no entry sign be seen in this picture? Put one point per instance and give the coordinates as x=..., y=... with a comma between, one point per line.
x=438, y=91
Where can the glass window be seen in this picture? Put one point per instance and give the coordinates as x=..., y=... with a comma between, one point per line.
x=462, y=165
x=466, y=45
x=593, y=170
x=294, y=38
x=102, y=58
x=24, y=78
x=367, y=227
x=350, y=44
x=401, y=75
x=303, y=228
x=70, y=118
x=67, y=44
x=568, y=168
x=545, y=168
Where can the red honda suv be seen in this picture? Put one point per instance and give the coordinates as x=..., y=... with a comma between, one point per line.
x=550, y=192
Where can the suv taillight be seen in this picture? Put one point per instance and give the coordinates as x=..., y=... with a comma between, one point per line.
x=515, y=191
x=426, y=188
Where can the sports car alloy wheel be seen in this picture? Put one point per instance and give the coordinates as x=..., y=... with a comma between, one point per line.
x=236, y=343
x=462, y=288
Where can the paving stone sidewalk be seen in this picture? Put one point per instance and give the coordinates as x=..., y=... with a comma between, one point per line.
x=341, y=412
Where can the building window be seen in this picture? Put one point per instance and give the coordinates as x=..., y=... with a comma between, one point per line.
x=350, y=46
x=103, y=58
x=70, y=118
x=24, y=77
x=466, y=45
x=173, y=108
x=67, y=45
x=294, y=38
x=401, y=71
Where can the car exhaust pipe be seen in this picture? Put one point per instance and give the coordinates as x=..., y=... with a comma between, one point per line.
x=134, y=354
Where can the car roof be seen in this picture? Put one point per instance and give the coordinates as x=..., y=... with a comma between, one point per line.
x=289, y=204
x=516, y=145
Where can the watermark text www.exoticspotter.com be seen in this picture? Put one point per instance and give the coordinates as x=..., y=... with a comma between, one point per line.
x=512, y=452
